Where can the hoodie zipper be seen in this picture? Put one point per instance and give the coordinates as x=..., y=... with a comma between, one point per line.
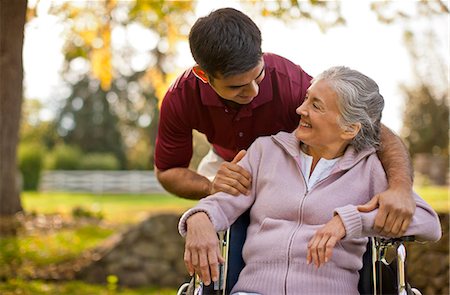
x=300, y=223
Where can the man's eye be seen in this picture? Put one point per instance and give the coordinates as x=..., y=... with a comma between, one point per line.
x=316, y=105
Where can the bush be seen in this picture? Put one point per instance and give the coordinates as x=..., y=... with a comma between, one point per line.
x=30, y=157
x=64, y=157
x=99, y=161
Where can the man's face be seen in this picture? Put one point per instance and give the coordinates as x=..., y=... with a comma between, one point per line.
x=240, y=88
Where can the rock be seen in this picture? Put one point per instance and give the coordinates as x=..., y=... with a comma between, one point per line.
x=133, y=279
x=151, y=254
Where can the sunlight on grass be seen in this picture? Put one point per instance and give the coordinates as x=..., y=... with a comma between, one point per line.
x=121, y=208
x=36, y=287
x=43, y=249
x=436, y=196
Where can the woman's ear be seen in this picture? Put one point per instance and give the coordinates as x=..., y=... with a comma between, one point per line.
x=351, y=131
x=199, y=73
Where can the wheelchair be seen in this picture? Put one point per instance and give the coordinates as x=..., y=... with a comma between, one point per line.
x=383, y=272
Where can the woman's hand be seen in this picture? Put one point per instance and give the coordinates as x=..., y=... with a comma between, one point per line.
x=201, y=252
x=320, y=247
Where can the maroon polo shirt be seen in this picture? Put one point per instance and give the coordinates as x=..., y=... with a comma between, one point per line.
x=191, y=104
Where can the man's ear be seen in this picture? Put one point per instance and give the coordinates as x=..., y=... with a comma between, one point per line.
x=199, y=73
x=351, y=131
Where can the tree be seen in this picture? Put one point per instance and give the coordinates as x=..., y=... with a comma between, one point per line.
x=12, y=21
x=426, y=112
x=115, y=86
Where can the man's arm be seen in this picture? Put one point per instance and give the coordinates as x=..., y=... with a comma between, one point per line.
x=396, y=204
x=184, y=183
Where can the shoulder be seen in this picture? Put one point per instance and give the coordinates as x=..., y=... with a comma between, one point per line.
x=375, y=172
x=185, y=80
x=261, y=144
x=291, y=79
x=283, y=65
x=183, y=89
x=182, y=93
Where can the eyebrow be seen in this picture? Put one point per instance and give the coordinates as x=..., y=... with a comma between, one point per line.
x=259, y=75
x=315, y=98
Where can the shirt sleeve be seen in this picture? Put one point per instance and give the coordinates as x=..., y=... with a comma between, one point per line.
x=173, y=146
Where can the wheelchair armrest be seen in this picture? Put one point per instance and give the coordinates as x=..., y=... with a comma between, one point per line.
x=395, y=241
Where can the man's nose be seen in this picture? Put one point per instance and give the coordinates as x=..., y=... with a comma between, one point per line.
x=251, y=89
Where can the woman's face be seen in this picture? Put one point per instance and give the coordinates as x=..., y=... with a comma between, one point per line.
x=318, y=127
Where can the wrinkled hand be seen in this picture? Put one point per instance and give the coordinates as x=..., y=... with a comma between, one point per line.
x=201, y=253
x=320, y=247
x=396, y=208
x=232, y=178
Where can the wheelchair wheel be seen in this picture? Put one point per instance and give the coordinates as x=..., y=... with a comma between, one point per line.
x=183, y=289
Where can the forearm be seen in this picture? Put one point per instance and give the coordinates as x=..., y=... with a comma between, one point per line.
x=424, y=225
x=184, y=183
x=396, y=161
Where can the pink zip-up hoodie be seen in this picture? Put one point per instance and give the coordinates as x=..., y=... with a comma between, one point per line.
x=285, y=215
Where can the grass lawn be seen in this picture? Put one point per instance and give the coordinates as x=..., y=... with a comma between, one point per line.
x=131, y=208
x=37, y=287
x=122, y=208
x=30, y=251
x=437, y=196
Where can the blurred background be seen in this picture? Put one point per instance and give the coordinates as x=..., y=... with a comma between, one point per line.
x=94, y=74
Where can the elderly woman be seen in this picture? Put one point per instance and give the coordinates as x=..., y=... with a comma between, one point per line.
x=306, y=233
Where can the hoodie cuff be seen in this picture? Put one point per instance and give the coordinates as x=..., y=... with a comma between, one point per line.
x=352, y=220
x=182, y=226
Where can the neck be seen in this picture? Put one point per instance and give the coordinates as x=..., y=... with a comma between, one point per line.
x=231, y=104
x=327, y=153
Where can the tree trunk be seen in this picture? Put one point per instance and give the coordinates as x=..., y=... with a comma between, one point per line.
x=12, y=21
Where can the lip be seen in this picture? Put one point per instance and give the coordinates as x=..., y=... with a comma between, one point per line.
x=304, y=124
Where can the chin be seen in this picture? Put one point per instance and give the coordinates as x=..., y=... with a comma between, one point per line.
x=244, y=100
x=298, y=134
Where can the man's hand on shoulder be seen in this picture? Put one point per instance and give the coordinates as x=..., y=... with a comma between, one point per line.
x=232, y=178
x=396, y=208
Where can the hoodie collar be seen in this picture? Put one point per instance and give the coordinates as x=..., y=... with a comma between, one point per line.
x=291, y=145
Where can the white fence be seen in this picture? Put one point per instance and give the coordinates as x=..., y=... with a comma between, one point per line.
x=135, y=182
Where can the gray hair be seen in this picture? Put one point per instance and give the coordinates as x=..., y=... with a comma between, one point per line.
x=359, y=101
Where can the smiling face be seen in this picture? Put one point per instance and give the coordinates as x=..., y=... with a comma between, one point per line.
x=240, y=88
x=319, y=128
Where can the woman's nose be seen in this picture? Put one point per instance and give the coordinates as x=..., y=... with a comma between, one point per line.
x=301, y=110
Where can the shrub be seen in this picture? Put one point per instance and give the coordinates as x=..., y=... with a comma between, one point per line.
x=99, y=161
x=64, y=157
x=30, y=157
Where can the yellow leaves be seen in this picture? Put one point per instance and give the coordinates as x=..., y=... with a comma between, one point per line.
x=265, y=12
x=101, y=60
x=159, y=81
x=88, y=36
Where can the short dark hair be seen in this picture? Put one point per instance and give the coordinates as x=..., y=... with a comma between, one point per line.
x=225, y=42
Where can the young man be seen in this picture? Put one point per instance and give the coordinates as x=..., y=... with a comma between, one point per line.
x=235, y=94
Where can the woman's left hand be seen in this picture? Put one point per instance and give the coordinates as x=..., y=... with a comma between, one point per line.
x=320, y=247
